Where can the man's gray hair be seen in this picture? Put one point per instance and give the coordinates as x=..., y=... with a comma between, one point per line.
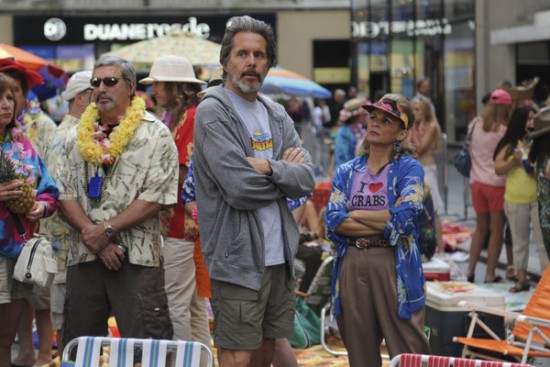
x=126, y=67
x=248, y=24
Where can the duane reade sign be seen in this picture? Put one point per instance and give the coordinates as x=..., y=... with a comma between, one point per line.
x=55, y=30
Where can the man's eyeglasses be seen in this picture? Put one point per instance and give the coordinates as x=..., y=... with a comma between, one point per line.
x=110, y=81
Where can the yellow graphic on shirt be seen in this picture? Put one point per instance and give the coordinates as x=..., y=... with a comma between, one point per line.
x=261, y=141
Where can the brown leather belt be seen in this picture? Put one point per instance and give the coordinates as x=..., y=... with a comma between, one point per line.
x=366, y=242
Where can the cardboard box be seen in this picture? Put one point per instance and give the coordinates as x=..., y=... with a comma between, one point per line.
x=447, y=320
x=437, y=269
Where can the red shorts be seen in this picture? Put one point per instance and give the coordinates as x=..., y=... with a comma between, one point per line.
x=487, y=198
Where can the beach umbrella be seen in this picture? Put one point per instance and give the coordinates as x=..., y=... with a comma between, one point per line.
x=197, y=50
x=25, y=58
x=54, y=76
x=283, y=81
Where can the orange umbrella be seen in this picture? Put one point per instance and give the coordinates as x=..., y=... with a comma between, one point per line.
x=29, y=60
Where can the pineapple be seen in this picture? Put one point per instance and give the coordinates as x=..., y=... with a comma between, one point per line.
x=7, y=173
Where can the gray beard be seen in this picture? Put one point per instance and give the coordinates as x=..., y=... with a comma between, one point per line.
x=246, y=89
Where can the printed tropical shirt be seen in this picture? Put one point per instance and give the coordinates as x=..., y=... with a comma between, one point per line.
x=147, y=169
x=59, y=232
x=344, y=145
x=39, y=127
x=28, y=164
x=543, y=198
x=405, y=182
x=180, y=225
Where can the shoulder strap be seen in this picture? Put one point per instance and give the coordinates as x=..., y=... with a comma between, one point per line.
x=469, y=137
x=19, y=226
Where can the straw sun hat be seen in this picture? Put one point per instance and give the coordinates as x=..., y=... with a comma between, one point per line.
x=542, y=123
x=171, y=68
x=215, y=80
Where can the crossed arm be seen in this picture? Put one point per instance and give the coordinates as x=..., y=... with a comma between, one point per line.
x=364, y=223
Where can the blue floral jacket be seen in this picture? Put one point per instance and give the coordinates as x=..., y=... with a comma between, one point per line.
x=406, y=180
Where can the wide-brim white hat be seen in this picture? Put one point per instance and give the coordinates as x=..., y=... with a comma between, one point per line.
x=172, y=68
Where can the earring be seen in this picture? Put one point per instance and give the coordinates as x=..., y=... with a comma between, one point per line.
x=397, y=146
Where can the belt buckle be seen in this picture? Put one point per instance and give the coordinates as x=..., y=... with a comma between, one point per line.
x=362, y=243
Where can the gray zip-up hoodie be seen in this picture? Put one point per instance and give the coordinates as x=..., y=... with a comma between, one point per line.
x=229, y=189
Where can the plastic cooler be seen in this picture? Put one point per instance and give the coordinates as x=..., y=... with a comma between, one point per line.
x=437, y=269
x=447, y=320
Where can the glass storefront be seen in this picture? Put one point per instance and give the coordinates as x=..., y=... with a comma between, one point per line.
x=399, y=42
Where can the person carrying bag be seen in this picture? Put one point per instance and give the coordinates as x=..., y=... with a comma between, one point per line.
x=462, y=160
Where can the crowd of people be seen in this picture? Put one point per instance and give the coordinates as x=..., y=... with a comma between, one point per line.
x=153, y=215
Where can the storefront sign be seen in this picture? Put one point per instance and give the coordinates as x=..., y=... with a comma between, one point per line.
x=427, y=27
x=81, y=29
x=141, y=31
x=54, y=29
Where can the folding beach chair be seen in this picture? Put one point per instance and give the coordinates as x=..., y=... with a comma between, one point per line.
x=422, y=360
x=530, y=336
x=154, y=353
x=319, y=291
x=317, y=298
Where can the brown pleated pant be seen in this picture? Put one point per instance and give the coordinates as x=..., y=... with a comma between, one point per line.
x=369, y=309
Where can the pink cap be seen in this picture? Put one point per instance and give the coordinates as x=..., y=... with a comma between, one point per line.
x=500, y=96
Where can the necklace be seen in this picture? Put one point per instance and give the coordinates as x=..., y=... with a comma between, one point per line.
x=97, y=147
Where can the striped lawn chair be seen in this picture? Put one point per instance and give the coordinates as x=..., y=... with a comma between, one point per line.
x=422, y=360
x=154, y=353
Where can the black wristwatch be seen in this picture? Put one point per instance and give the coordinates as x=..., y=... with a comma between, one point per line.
x=108, y=230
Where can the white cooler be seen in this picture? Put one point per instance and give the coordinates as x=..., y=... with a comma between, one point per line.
x=437, y=269
x=447, y=320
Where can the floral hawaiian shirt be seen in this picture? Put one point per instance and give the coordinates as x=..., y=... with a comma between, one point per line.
x=39, y=127
x=147, y=169
x=405, y=182
x=56, y=229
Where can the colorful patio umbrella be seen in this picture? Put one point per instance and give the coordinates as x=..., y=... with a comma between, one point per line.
x=26, y=58
x=54, y=76
x=283, y=81
x=197, y=50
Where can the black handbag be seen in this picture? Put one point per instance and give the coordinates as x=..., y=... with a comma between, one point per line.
x=462, y=160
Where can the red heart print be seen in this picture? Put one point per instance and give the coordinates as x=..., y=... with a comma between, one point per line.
x=374, y=187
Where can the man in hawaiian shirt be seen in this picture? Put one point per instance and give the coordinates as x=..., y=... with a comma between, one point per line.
x=121, y=169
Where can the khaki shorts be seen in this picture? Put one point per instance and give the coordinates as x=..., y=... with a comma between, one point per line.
x=11, y=289
x=244, y=317
x=57, y=298
x=6, y=274
x=38, y=298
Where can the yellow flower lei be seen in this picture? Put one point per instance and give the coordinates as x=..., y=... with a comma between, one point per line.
x=95, y=150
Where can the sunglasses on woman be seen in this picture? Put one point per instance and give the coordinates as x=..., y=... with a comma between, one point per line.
x=110, y=81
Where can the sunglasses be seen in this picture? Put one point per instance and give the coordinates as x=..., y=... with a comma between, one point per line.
x=110, y=81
